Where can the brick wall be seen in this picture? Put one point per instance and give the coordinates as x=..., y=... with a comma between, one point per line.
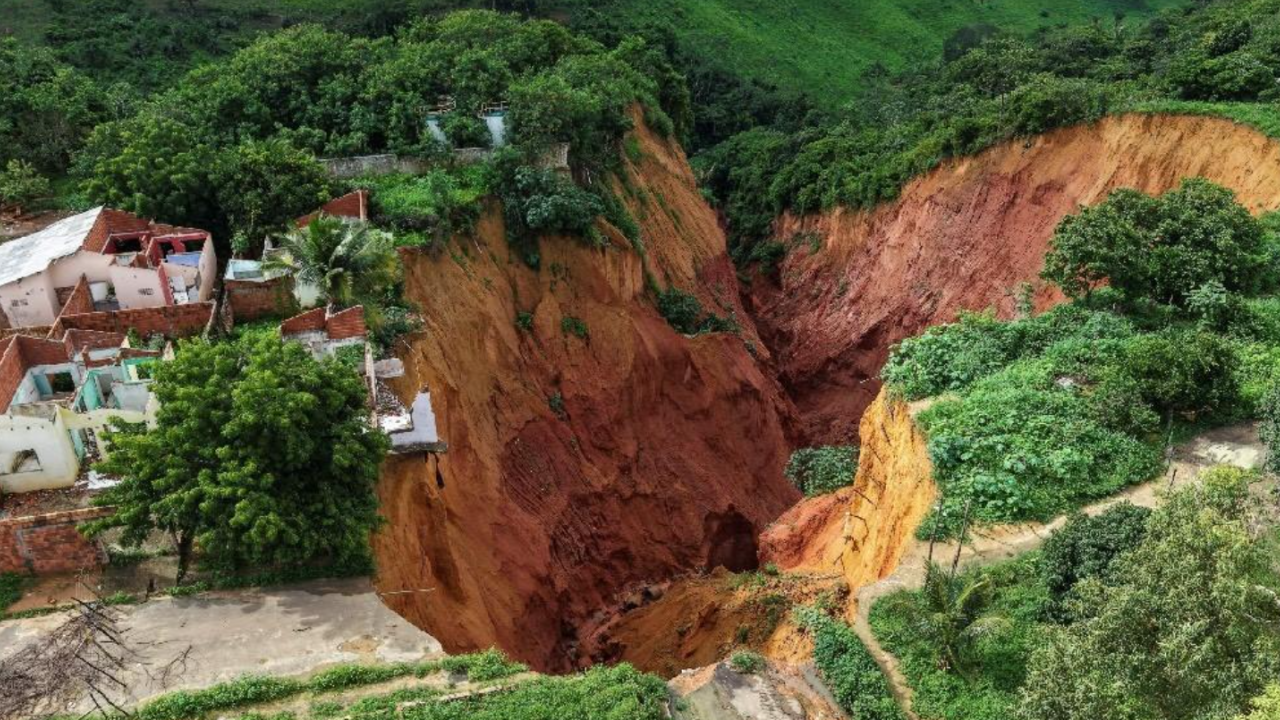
x=168, y=320
x=354, y=204
x=80, y=300
x=12, y=370
x=251, y=300
x=308, y=321
x=37, y=351
x=348, y=323
x=50, y=543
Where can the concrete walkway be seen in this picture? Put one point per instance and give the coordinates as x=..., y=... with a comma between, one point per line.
x=289, y=631
x=1233, y=445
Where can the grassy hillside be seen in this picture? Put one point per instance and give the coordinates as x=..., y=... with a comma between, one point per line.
x=823, y=47
x=820, y=47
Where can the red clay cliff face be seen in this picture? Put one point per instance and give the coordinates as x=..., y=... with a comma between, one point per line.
x=578, y=466
x=963, y=237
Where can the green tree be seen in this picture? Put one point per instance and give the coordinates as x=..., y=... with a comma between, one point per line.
x=350, y=262
x=20, y=184
x=1266, y=706
x=260, y=456
x=48, y=109
x=955, y=620
x=820, y=470
x=1160, y=250
x=1191, y=628
x=1269, y=427
x=263, y=185
x=156, y=167
x=1088, y=547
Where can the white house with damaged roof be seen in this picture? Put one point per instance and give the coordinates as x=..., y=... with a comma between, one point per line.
x=128, y=262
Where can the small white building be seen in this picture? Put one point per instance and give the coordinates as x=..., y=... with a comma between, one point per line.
x=128, y=262
x=57, y=397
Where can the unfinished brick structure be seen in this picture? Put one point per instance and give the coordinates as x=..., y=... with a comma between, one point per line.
x=50, y=543
x=253, y=299
x=167, y=320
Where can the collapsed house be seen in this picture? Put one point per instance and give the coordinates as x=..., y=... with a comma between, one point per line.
x=128, y=263
x=57, y=397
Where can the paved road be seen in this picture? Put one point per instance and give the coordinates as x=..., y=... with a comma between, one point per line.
x=278, y=631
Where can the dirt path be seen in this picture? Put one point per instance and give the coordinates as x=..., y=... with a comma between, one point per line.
x=1233, y=445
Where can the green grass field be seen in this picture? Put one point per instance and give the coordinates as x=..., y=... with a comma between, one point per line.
x=823, y=47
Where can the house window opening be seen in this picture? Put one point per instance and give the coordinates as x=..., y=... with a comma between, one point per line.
x=22, y=461
x=61, y=382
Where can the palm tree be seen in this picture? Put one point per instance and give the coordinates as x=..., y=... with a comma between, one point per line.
x=955, y=621
x=350, y=262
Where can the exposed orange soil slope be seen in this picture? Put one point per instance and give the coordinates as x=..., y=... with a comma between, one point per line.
x=695, y=621
x=863, y=533
x=577, y=467
x=963, y=237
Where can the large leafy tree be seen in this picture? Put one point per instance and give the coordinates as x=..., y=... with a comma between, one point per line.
x=261, y=455
x=1160, y=249
x=1189, y=627
x=350, y=262
x=263, y=185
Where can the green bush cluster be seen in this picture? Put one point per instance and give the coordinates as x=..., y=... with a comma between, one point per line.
x=848, y=669
x=1162, y=606
x=430, y=207
x=747, y=662
x=820, y=470
x=991, y=625
x=685, y=314
x=1037, y=415
x=231, y=146
x=10, y=589
x=1088, y=546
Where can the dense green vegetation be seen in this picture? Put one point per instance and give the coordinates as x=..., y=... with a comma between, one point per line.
x=820, y=470
x=1038, y=415
x=1214, y=58
x=1170, y=614
x=10, y=589
x=827, y=49
x=848, y=669
x=261, y=456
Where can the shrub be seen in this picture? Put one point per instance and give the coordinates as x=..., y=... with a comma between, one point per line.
x=466, y=131
x=10, y=590
x=1048, y=102
x=524, y=320
x=820, y=470
x=849, y=670
x=1088, y=547
x=486, y=665
x=20, y=185
x=680, y=309
x=747, y=663
x=685, y=314
x=1182, y=371
x=1269, y=427
x=570, y=325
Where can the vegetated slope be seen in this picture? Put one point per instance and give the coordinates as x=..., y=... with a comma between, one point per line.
x=595, y=450
x=964, y=237
x=823, y=47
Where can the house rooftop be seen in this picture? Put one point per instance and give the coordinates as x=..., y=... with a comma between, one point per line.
x=29, y=255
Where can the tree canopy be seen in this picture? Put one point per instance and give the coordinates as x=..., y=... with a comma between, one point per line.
x=261, y=456
x=1161, y=249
